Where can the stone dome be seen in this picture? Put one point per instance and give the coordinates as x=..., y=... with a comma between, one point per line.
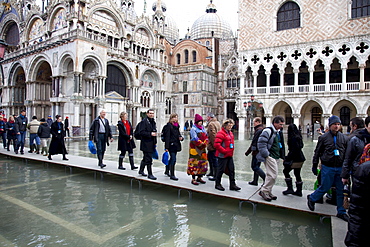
x=211, y=25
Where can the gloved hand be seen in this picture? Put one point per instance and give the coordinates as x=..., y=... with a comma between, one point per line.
x=314, y=170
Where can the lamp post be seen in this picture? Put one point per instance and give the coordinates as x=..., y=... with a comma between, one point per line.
x=252, y=107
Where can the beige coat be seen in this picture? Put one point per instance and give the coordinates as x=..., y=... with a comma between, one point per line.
x=213, y=127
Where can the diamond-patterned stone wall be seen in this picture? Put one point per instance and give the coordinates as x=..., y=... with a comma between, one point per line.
x=320, y=20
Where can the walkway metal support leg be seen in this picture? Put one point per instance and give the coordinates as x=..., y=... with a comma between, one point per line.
x=139, y=182
x=254, y=205
x=70, y=169
x=190, y=193
x=323, y=217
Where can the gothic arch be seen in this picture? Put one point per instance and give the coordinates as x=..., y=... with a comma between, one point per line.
x=313, y=99
x=35, y=28
x=126, y=70
x=275, y=103
x=65, y=59
x=335, y=102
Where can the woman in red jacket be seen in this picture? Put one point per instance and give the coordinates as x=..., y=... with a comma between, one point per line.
x=224, y=145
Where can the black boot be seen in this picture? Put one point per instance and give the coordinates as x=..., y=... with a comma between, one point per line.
x=255, y=179
x=167, y=171
x=120, y=161
x=298, y=192
x=37, y=149
x=289, y=190
x=172, y=172
x=150, y=173
x=262, y=174
x=100, y=159
x=64, y=157
x=141, y=170
x=211, y=172
x=8, y=146
x=131, y=159
x=49, y=157
x=31, y=148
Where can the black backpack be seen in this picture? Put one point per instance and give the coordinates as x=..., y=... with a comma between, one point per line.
x=137, y=131
x=164, y=129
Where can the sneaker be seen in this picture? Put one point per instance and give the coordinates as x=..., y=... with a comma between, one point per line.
x=310, y=203
x=273, y=197
x=343, y=217
x=264, y=196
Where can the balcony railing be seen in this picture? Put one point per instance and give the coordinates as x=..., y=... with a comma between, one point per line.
x=332, y=87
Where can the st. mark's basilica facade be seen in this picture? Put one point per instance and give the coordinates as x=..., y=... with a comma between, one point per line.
x=305, y=60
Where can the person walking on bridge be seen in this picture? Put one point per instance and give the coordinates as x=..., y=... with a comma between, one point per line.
x=101, y=134
x=330, y=149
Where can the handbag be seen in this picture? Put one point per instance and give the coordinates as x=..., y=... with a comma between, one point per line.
x=288, y=162
x=92, y=147
x=165, y=158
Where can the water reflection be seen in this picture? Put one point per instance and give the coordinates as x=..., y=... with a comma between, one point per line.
x=43, y=206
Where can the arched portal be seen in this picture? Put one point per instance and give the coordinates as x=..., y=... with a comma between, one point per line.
x=116, y=81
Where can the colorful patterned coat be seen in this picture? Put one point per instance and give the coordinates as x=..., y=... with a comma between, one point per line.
x=198, y=162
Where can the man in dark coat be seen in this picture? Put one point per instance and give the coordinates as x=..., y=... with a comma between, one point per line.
x=21, y=129
x=101, y=134
x=330, y=150
x=57, y=145
x=147, y=130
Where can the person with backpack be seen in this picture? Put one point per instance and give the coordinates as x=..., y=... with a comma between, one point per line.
x=197, y=163
x=330, y=150
x=271, y=148
x=43, y=133
x=255, y=164
x=357, y=140
x=294, y=161
x=172, y=143
x=146, y=131
x=125, y=141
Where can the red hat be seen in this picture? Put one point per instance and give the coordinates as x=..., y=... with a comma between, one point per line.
x=66, y=117
x=198, y=118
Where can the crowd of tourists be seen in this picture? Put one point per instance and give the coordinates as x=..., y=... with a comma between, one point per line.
x=339, y=160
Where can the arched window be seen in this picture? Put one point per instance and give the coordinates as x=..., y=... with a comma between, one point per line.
x=178, y=58
x=186, y=53
x=345, y=115
x=360, y=8
x=194, y=56
x=145, y=99
x=288, y=16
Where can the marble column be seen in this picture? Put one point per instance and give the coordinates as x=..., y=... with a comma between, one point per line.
x=327, y=78
x=241, y=131
x=311, y=70
x=281, y=71
x=296, y=118
x=268, y=119
x=268, y=74
x=362, y=76
x=344, y=79
x=296, y=73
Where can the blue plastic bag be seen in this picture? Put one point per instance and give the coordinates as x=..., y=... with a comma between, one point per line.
x=165, y=158
x=155, y=154
x=92, y=147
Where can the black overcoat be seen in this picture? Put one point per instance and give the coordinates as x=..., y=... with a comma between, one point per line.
x=57, y=145
x=124, y=142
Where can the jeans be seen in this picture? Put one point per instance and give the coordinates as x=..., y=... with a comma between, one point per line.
x=3, y=136
x=172, y=160
x=21, y=138
x=330, y=176
x=255, y=164
x=101, y=144
x=34, y=137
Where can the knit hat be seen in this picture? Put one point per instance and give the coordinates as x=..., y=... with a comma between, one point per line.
x=42, y=120
x=334, y=119
x=198, y=118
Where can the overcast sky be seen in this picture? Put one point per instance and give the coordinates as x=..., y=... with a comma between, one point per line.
x=186, y=12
